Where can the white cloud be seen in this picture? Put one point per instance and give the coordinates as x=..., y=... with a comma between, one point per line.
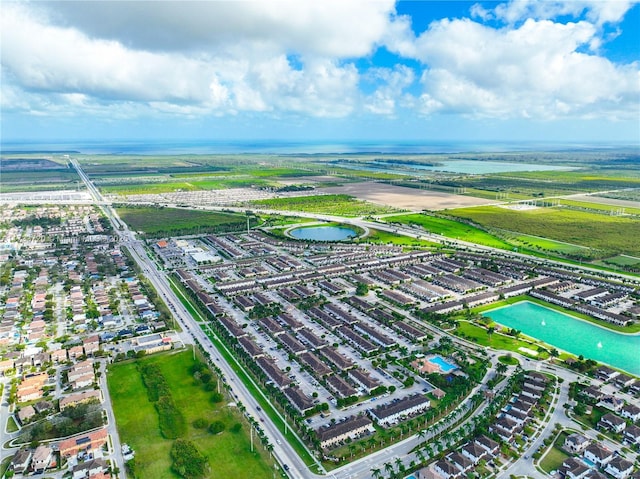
x=534, y=70
x=389, y=92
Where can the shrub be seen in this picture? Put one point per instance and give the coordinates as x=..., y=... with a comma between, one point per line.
x=188, y=462
x=216, y=427
x=200, y=423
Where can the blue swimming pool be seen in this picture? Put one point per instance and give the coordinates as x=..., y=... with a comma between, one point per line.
x=444, y=365
x=410, y=477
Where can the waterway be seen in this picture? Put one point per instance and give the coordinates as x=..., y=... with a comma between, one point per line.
x=323, y=233
x=571, y=334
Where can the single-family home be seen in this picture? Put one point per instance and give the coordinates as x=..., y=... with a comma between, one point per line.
x=598, y=454
x=576, y=443
x=631, y=434
x=612, y=422
x=619, y=468
x=42, y=457
x=20, y=461
x=630, y=411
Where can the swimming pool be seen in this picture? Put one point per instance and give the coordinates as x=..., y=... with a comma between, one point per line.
x=444, y=365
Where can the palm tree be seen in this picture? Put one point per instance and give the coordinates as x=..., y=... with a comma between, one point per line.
x=501, y=368
x=376, y=473
x=490, y=331
x=388, y=467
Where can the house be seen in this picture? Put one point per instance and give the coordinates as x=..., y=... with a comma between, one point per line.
x=20, y=462
x=505, y=428
x=460, y=461
x=395, y=411
x=42, y=457
x=91, y=345
x=83, y=443
x=611, y=402
x=612, y=422
x=605, y=373
x=25, y=414
x=352, y=427
x=473, y=451
x=572, y=468
x=631, y=434
x=79, y=398
x=624, y=380
x=592, y=392
x=446, y=469
x=598, y=454
x=89, y=469
x=487, y=444
x=576, y=443
x=630, y=411
x=619, y=468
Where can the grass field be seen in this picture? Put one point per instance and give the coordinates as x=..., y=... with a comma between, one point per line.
x=609, y=234
x=383, y=237
x=228, y=453
x=543, y=244
x=340, y=205
x=452, y=229
x=554, y=457
x=176, y=221
x=496, y=341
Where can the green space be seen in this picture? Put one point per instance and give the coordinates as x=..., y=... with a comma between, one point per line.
x=451, y=229
x=492, y=338
x=255, y=392
x=339, y=205
x=543, y=244
x=508, y=360
x=228, y=453
x=385, y=237
x=607, y=234
x=159, y=222
x=554, y=457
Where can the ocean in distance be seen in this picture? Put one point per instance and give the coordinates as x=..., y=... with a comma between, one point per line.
x=279, y=147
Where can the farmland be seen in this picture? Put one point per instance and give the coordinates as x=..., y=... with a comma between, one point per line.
x=157, y=222
x=340, y=205
x=451, y=229
x=607, y=234
x=228, y=452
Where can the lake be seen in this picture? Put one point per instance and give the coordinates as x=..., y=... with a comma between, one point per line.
x=571, y=334
x=323, y=233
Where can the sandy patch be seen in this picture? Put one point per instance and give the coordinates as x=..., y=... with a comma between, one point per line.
x=528, y=351
x=405, y=198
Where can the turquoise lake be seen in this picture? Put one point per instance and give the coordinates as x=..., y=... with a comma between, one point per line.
x=323, y=233
x=571, y=334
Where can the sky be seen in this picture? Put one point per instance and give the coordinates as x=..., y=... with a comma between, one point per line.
x=330, y=70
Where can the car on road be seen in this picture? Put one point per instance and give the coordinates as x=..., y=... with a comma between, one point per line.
x=285, y=467
x=258, y=408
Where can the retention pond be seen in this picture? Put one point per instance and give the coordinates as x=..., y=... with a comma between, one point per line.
x=571, y=334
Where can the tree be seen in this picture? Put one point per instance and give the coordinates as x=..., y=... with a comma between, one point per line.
x=362, y=289
x=188, y=461
x=490, y=331
x=216, y=427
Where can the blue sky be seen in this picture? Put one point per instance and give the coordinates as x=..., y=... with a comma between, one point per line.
x=515, y=71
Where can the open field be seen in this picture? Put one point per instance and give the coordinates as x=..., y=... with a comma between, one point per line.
x=609, y=234
x=39, y=180
x=405, y=198
x=341, y=205
x=383, y=237
x=176, y=221
x=451, y=229
x=228, y=453
x=496, y=340
x=544, y=244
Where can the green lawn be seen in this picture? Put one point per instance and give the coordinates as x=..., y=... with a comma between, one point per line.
x=610, y=234
x=452, y=229
x=228, y=453
x=384, y=237
x=553, y=459
x=340, y=205
x=176, y=221
x=496, y=341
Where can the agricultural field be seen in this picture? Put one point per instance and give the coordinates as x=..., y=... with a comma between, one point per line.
x=602, y=208
x=339, y=205
x=228, y=453
x=39, y=180
x=159, y=222
x=141, y=187
x=609, y=235
x=451, y=229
